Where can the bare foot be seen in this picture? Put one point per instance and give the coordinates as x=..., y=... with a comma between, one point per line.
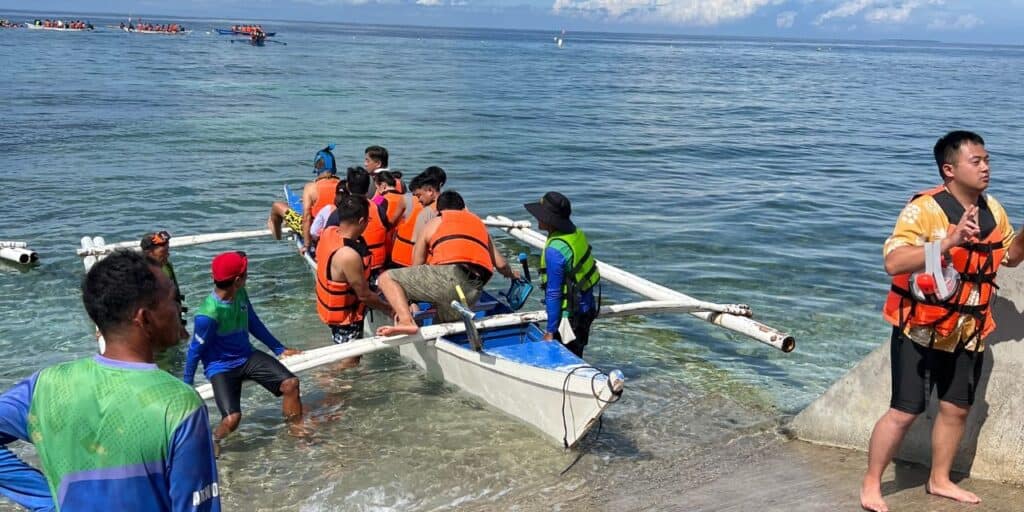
x=952, y=491
x=275, y=230
x=871, y=498
x=393, y=330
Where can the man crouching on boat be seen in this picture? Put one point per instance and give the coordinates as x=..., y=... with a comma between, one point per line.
x=221, y=340
x=458, y=252
x=342, y=271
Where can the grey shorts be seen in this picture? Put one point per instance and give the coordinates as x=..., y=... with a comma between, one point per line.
x=436, y=284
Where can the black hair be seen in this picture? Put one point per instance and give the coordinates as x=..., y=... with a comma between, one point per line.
x=450, y=200
x=341, y=193
x=225, y=284
x=351, y=208
x=389, y=178
x=947, y=147
x=118, y=285
x=437, y=174
x=432, y=177
x=358, y=181
x=379, y=154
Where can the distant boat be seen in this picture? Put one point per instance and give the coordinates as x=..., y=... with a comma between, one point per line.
x=230, y=32
x=33, y=26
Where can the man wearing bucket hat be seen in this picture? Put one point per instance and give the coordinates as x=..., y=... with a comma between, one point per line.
x=221, y=341
x=315, y=195
x=568, y=272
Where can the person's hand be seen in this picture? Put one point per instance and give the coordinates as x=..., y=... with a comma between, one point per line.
x=549, y=336
x=290, y=352
x=515, y=275
x=303, y=250
x=966, y=230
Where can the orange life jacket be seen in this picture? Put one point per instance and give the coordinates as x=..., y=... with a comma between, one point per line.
x=326, y=190
x=401, y=252
x=395, y=200
x=461, y=239
x=977, y=263
x=376, y=236
x=336, y=302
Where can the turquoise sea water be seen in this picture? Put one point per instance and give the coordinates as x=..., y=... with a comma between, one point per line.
x=755, y=171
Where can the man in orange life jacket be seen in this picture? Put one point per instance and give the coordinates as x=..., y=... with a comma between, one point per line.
x=342, y=290
x=941, y=343
x=315, y=195
x=375, y=235
x=457, y=251
x=424, y=189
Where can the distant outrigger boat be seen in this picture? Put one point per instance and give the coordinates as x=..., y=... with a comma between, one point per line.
x=59, y=29
x=229, y=32
x=536, y=381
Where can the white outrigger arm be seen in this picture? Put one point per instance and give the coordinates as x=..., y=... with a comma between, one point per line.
x=741, y=323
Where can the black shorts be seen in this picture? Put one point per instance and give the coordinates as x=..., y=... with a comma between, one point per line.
x=580, y=323
x=346, y=333
x=955, y=375
x=261, y=367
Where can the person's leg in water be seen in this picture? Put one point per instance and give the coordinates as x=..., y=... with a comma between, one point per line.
x=396, y=297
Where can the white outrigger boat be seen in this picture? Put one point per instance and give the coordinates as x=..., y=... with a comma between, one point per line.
x=535, y=381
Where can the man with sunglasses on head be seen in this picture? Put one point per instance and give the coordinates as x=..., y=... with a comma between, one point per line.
x=221, y=341
x=156, y=248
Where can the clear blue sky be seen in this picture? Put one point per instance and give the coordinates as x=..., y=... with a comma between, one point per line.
x=980, y=21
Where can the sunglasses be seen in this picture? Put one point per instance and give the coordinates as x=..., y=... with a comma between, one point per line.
x=160, y=238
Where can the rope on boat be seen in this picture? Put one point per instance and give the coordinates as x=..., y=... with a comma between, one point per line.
x=616, y=396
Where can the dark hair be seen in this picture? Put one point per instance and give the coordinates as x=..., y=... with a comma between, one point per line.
x=118, y=285
x=225, y=284
x=389, y=178
x=358, y=181
x=379, y=154
x=341, y=193
x=437, y=174
x=450, y=200
x=433, y=177
x=351, y=208
x=947, y=147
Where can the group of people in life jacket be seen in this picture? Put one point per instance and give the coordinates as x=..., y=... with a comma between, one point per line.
x=75, y=25
x=172, y=28
x=418, y=243
x=248, y=29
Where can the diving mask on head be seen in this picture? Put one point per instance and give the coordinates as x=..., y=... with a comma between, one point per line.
x=939, y=281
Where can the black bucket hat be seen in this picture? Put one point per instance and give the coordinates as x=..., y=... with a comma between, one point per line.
x=554, y=210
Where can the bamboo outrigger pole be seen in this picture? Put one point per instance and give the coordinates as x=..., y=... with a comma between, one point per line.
x=741, y=324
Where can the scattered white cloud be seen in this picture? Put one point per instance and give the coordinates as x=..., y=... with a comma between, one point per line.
x=961, y=22
x=785, y=19
x=682, y=12
x=430, y=3
x=875, y=11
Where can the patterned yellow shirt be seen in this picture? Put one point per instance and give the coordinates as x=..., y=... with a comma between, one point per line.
x=922, y=221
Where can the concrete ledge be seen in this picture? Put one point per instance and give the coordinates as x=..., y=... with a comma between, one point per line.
x=993, y=445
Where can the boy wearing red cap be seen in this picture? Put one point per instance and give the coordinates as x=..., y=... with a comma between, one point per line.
x=221, y=341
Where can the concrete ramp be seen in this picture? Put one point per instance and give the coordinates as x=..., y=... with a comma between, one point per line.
x=993, y=445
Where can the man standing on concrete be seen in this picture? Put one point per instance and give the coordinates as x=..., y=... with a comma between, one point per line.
x=937, y=337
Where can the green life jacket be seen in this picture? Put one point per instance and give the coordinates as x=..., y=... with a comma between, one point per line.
x=584, y=274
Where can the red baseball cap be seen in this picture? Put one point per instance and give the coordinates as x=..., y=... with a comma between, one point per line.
x=229, y=265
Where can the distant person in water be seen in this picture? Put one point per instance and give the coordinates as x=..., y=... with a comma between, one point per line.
x=568, y=272
x=223, y=324
x=113, y=432
x=315, y=195
x=940, y=342
x=455, y=250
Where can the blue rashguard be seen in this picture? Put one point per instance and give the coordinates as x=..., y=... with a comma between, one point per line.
x=108, y=440
x=558, y=259
x=220, y=338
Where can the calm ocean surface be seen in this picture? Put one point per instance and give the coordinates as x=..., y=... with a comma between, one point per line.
x=755, y=171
